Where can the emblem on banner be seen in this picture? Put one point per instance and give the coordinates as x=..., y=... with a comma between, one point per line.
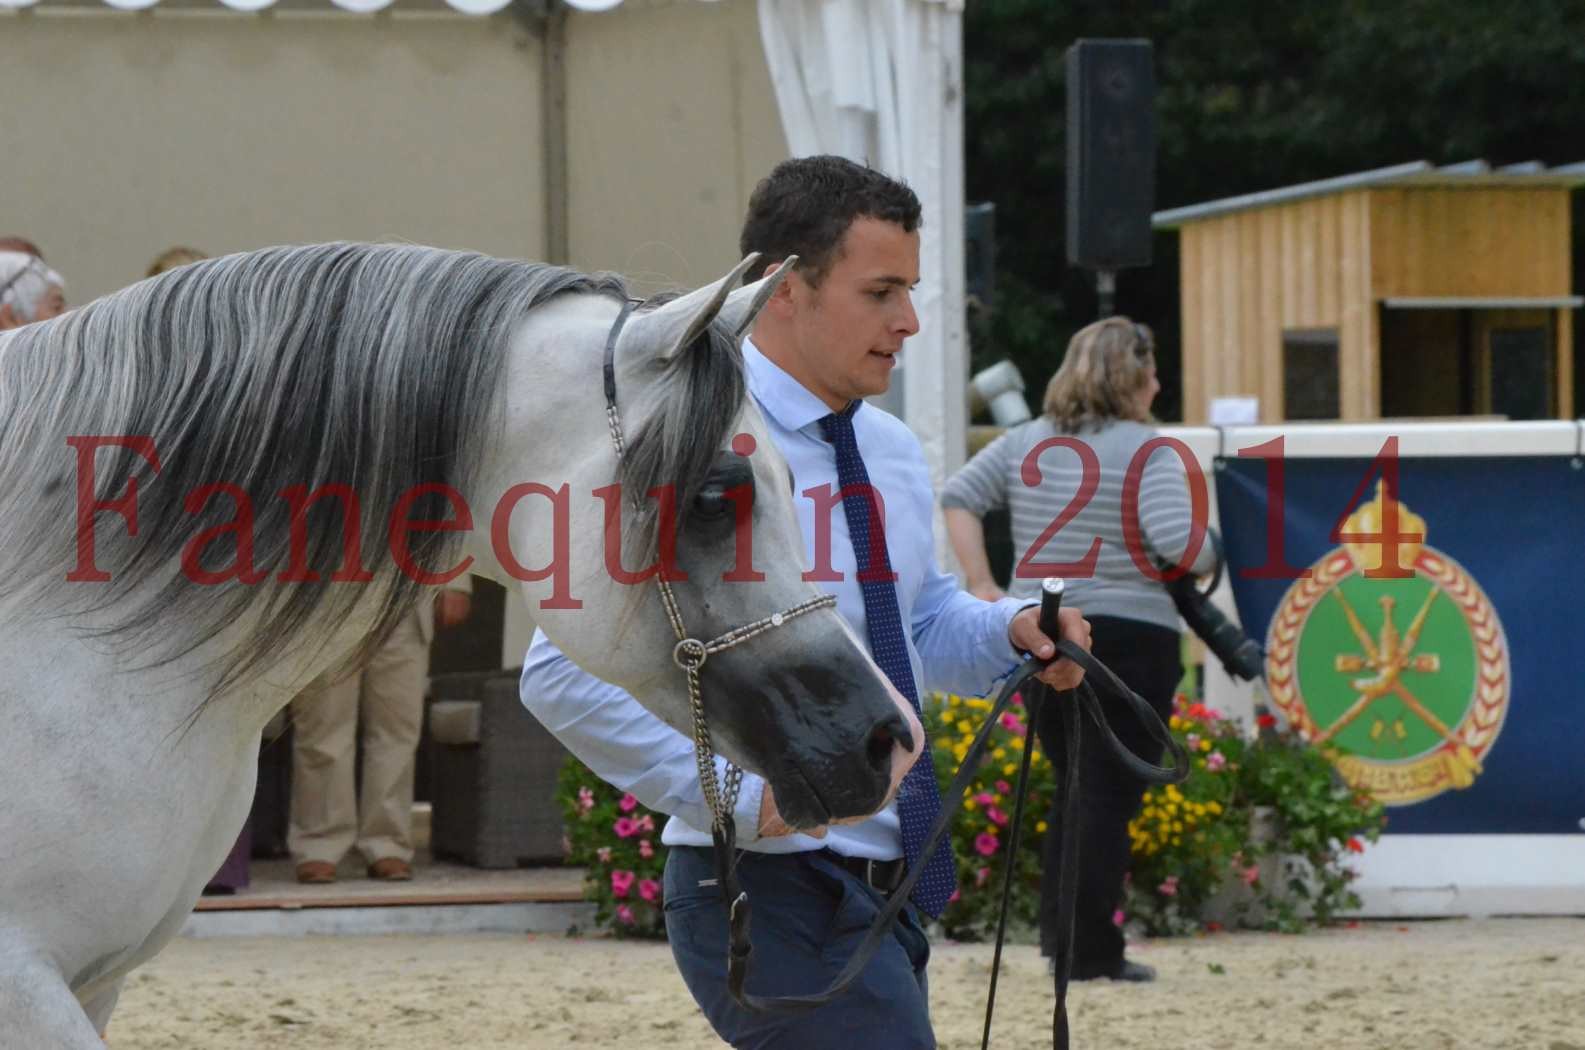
x=1406, y=677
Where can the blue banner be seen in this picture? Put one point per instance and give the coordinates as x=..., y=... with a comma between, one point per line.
x=1436, y=639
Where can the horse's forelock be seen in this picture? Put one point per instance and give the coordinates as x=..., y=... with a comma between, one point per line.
x=696, y=404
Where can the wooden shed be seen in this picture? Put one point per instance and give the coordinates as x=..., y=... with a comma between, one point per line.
x=1406, y=291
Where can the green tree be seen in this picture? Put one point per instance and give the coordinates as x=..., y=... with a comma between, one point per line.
x=1249, y=96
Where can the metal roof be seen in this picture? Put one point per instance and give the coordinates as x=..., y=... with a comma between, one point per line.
x=1469, y=173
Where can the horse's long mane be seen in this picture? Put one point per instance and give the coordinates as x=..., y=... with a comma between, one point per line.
x=376, y=367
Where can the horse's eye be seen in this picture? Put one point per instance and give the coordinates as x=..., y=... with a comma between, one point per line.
x=717, y=499
x=712, y=502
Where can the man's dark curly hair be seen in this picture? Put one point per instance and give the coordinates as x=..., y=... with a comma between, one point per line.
x=805, y=206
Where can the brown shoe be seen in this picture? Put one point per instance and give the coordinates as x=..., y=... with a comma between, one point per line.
x=391, y=869
x=316, y=872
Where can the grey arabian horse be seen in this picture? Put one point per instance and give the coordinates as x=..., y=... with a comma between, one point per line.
x=218, y=483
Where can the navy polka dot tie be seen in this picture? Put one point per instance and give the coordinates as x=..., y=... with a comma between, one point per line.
x=919, y=801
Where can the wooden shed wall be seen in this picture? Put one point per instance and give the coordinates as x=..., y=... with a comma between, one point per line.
x=1248, y=276
x=1479, y=242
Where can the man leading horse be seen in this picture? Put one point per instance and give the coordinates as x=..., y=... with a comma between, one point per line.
x=828, y=337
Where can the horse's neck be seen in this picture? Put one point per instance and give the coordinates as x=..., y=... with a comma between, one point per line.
x=57, y=643
x=553, y=430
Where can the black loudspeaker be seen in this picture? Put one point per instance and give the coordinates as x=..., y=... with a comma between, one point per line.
x=1111, y=172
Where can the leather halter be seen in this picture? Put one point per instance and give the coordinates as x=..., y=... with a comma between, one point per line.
x=690, y=653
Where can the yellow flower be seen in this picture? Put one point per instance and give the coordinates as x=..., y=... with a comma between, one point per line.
x=1214, y=807
x=1009, y=769
x=954, y=701
x=965, y=728
x=1040, y=827
x=1205, y=745
x=1017, y=743
x=969, y=804
x=999, y=753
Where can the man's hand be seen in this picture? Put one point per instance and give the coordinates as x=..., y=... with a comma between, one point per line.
x=452, y=607
x=1026, y=636
x=772, y=826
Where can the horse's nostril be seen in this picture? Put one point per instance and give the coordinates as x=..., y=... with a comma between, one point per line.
x=891, y=732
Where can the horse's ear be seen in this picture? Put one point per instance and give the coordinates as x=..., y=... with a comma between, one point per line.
x=664, y=332
x=744, y=305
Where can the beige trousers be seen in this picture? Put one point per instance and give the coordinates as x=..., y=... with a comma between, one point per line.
x=329, y=816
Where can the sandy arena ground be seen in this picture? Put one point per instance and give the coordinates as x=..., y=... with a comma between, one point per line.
x=1480, y=985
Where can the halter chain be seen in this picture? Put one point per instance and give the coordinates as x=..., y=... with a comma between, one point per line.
x=690, y=653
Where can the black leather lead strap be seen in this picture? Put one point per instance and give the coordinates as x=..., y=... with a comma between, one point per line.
x=1084, y=698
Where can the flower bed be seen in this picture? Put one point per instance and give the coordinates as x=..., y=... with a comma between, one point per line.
x=1192, y=842
x=617, y=841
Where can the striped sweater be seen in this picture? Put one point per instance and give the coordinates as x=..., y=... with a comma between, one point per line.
x=1003, y=473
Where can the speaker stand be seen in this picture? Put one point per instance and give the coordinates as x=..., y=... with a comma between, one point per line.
x=1105, y=291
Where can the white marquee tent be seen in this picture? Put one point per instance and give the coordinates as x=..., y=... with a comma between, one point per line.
x=879, y=81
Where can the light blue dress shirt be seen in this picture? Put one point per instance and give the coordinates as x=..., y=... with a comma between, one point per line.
x=957, y=642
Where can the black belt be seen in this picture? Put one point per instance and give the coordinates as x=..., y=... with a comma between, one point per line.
x=883, y=875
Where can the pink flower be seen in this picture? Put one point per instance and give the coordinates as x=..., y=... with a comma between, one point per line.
x=625, y=827
x=982, y=876
x=985, y=798
x=646, y=823
x=996, y=816
x=624, y=915
x=604, y=853
x=628, y=803
x=649, y=890
x=1215, y=760
x=1010, y=722
x=1250, y=875
x=1192, y=741
x=1168, y=888
x=1018, y=699
x=1003, y=786
x=585, y=799
x=1117, y=917
x=645, y=850
x=621, y=882
x=957, y=895
x=985, y=843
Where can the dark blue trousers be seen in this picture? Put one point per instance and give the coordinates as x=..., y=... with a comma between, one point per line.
x=808, y=917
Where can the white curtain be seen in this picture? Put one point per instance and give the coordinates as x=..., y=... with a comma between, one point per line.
x=881, y=82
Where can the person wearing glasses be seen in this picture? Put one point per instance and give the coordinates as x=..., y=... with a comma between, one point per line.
x=29, y=290
x=1077, y=458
